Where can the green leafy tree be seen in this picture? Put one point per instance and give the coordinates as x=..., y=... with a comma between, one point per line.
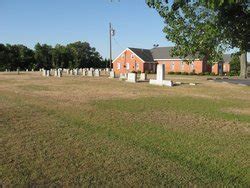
x=235, y=65
x=43, y=56
x=232, y=19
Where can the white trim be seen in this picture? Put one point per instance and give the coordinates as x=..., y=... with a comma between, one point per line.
x=175, y=59
x=130, y=51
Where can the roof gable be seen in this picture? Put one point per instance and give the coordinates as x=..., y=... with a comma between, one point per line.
x=144, y=54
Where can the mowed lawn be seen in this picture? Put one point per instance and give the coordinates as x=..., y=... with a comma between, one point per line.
x=105, y=132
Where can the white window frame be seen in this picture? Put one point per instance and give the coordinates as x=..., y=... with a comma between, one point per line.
x=182, y=66
x=127, y=66
x=172, y=66
x=118, y=66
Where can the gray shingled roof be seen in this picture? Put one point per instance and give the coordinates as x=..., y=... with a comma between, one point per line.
x=144, y=54
x=162, y=53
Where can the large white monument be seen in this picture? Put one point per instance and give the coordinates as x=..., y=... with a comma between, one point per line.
x=160, y=77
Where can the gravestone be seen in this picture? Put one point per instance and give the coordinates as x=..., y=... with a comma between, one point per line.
x=47, y=73
x=76, y=71
x=27, y=70
x=32, y=70
x=44, y=73
x=71, y=72
x=67, y=71
x=59, y=73
x=111, y=74
x=132, y=77
x=160, y=77
x=97, y=73
x=17, y=71
x=143, y=76
x=123, y=76
x=84, y=72
x=90, y=73
x=6, y=70
x=56, y=73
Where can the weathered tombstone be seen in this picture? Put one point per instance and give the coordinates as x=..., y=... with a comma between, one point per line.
x=47, y=73
x=143, y=76
x=17, y=71
x=67, y=71
x=6, y=70
x=32, y=70
x=160, y=77
x=90, y=73
x=71, y=72
x=112, y=74
x=132, y=77
x=84, y=72
x=44, y=73
x=97, y=73
x=123, y=76
x=27, y=70
x=76, y=71
x=56, y=73
x=59, y=73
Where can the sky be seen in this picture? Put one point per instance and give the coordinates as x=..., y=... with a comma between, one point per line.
x=64, y=21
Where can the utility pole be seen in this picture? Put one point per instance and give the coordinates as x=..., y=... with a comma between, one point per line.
x=111, y=34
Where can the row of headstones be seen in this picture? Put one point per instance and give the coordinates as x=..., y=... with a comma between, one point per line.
x=160, y=77
x=85, y=72
x=18, y=70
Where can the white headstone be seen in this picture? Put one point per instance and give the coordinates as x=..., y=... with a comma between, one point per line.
x=17, y=71
x=48, y=73
x=90, y=73
x=59, y=73
x=56, y=73
x=112, y=74
x=132, y=77
x=27, y=70
x=123, y=76
x=32, y=70
x=97, y=73
x=44, y=73
x=143, y=76
x=71, y=72
x=84, y=72
x=160, y=77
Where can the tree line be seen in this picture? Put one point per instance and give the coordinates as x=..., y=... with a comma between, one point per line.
x=74, y=55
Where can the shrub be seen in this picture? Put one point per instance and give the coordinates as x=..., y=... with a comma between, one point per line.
x=207, y=73
x=171, y=72
x=146, y=72
x=133, y=71
x=177, y=73
x=192, y=73
x=201, y=74
x=212, y=74
x=139, y=72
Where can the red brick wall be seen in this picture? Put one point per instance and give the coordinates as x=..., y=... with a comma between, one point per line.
x=126, y=59
x=185, y=67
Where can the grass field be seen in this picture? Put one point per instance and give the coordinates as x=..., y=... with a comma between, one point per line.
x=105, y=132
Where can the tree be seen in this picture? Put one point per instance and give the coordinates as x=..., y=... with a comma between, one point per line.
x=232, y=20
x=235, y=65
x=43, y=56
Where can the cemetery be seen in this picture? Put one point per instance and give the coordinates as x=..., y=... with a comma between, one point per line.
x=92, y=117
